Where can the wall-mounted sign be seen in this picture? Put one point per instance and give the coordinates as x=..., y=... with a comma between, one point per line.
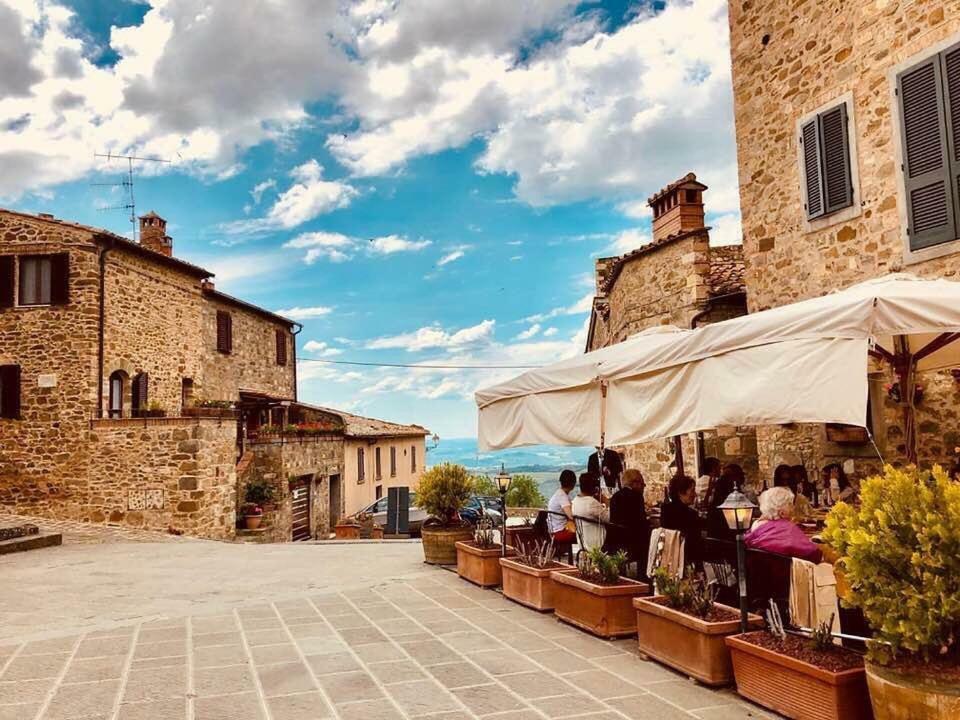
x=47, y=381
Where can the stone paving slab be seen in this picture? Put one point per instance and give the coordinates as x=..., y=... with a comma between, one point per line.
x=429, y=648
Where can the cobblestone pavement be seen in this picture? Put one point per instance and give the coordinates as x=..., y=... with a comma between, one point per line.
x=432, y=648
x=90, y=534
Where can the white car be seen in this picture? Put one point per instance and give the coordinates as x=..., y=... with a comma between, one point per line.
x=415, y=517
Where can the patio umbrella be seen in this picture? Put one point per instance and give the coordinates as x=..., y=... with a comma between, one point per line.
x=804, y=362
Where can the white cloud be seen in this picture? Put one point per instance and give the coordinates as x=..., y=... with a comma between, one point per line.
x=550, y=332
x=628, y=240
x=436, y=337
x=529, y=332
x=332, y=246
x=305, y=313
x=390, y=244
x=316, y=347
x=515, y=258
x=583, y=305
x=637, y=209
x=260, y=188
x=726, y=230
x=450, y=257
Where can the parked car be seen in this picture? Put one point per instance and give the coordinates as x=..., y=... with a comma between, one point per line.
x=415, y=517
x=479, y=506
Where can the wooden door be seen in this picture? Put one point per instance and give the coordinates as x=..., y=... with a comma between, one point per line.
x=300, y=508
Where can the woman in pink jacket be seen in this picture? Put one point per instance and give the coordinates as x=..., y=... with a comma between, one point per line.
x=776, y=532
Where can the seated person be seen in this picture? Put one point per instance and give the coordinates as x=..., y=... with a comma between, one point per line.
x=612, y=469
x=730, y=479
x=711, y=473
x=836, y=486
x=560, y=511
x=629, y=530
x=679, y=514
x=776, y=532
x=587, y=505
x=803, y=493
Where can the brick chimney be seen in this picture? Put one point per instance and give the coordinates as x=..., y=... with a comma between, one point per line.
x=153, y=234
x=678, y=208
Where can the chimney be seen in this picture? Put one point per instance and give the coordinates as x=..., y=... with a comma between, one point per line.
x=678, y=208
x=153, y=234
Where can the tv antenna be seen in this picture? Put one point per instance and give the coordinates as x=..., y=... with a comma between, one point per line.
x=127, y=184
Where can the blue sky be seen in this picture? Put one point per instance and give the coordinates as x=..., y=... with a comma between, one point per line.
x=417, y=182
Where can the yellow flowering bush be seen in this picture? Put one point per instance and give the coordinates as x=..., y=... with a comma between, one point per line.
x=900, y=553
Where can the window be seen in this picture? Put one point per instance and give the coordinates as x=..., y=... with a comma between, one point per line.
x=186, y=392
x=361, y=470
x=10, y=392
x=825, y=162
x=43, y=280
x=413, y=458
x=929, y=95
x=115, y=402
x=224, y=332
x=376, y=462
x=379, y=491
x=138, y=394
x=281, y=347
x=393, y=462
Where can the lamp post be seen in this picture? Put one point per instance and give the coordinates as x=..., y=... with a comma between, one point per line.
x=503, y=484
x=738, y=511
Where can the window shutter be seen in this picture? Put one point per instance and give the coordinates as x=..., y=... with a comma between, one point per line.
x=812, y=175
x=281, y=347
x=951, y=77
x=224, y=332
x=930, y=209
x=139, y=393
x=837, y=186
x=6, y=281
x=60, y=279
x=10, y=392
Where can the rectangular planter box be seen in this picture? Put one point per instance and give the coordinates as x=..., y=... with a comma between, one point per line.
x=520, y=536
x=687, y=643
x=603, y=610
x=481, y=567
x=530, y=586
x=798, y=689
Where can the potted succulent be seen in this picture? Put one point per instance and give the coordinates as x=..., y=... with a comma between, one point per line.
x=899, y=554
x=527, y=579
x=252, y=515
x=443, y=490
x=478, y=560
x=596, y=597
x=799, y=676
x=683, y=626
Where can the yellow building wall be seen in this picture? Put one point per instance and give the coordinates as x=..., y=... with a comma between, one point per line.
x=356, y=494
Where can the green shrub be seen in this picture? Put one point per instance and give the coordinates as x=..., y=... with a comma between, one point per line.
x=259, y=492
x=444, y=490
x=900, y=554
x=484, y=485
x=525, y=492
x=598, y=567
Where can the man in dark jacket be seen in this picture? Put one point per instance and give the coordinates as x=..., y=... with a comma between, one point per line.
x=629, y=529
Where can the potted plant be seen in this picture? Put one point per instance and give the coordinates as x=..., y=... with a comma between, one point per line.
x=252, y=515
x=260, y=492
x=527, y=579
x=595, y=597
x=682, y=626
x=348, y=529
x=153, y=410
x=442, y=492
x=478, y=560
x=899, y=553
x=211, y=408
x=802, y=677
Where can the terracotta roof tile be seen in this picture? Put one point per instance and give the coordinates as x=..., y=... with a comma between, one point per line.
x=726, y=270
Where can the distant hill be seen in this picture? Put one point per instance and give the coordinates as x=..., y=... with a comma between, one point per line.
x=532, y=459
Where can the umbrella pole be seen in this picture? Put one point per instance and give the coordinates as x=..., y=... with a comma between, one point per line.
x=678, y=453
x=905, y=366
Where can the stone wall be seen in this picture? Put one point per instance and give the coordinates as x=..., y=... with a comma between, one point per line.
x=787, y=64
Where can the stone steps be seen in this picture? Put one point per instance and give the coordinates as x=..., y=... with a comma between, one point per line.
x=31, y=541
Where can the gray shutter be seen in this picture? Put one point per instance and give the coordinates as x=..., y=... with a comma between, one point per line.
x=951, y=80
x=837, y=186
x=930, y=211
x=812, y=174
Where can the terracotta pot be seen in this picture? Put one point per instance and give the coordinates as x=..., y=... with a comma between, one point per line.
x=529, y=586
x=899, y=696
x=252, y=522
x=604, y=610
x=479, y=566
x=346, y=532
x=687, y=643
x=440, y=543
x=795, y=688
x=378, y=532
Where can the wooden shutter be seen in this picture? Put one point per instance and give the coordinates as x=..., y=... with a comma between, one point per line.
x=393, y=462
x=812, y=174
x=60, y=279
x=281, y=347
x=6, y=281
x=930, y=208
x=139, y=393
x=376, y=454
x=951, y=80
x=837, y=186
x=224, y=332
x=10, y=392
x=361, y=470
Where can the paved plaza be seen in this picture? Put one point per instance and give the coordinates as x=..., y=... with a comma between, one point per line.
x=135, y=630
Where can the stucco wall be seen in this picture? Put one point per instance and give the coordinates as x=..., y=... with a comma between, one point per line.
x=357, y=495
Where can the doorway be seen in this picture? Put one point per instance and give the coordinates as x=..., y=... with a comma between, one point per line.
x=335, y=499
x=300, y=508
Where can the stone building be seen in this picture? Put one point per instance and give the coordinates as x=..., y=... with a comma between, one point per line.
x=677, y=279
x=132, y=391
x=847, y=136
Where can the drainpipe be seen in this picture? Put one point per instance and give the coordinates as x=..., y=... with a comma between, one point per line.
x=102, y=321
x=294, y=355
x=701, y=441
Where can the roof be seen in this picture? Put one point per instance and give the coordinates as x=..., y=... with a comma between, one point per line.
x=230, y=300
x=151, y=214
x=689, y=179
x=364, y=427
x=102, y=236
x=613, y=269
x=726, y=270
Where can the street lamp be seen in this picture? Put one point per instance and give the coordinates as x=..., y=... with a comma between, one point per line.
x=503, y=484
x=738, y=511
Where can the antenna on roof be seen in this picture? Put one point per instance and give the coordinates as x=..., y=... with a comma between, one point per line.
x=126, y=183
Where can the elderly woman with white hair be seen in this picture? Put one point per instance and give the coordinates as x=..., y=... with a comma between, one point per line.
x=776, y=532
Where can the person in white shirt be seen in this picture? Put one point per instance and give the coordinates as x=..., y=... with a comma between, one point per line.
x=711, y=472
x=560, y=511
x=587, y=505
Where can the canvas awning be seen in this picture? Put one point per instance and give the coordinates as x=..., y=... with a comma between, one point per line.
x=804, y=362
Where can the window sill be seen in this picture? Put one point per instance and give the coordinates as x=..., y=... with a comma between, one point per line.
x=835, y=218
x=913, y=257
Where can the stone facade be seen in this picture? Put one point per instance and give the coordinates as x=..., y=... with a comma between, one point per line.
x=677, y=279
x=794, y=59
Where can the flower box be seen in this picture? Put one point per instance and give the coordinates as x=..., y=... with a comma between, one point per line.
x=530, y=586
x=603, y=610
x=692, y=645
x=480, y=566
x=795, y=688
x=346, y=531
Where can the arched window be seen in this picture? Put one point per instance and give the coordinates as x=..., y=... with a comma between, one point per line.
x=115, y=403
